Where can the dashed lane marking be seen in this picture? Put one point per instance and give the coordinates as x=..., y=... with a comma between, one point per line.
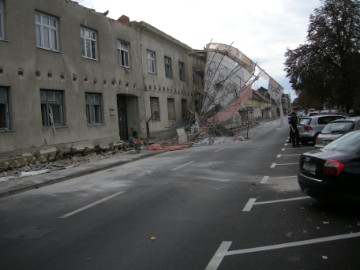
x=181, y=166
x=220, y=149
x=91, y=205
x=252, y=201
x=223, y=250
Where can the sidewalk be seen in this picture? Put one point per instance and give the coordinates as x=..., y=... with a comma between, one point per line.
x=17, y=185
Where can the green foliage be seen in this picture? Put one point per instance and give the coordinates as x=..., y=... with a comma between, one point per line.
x=326, y=70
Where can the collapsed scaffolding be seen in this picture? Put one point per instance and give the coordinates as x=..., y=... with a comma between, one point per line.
x=228, y=82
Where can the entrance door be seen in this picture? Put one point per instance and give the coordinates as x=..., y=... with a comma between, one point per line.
x=122, y=116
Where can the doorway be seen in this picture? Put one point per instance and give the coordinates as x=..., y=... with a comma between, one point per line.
x=128, y=116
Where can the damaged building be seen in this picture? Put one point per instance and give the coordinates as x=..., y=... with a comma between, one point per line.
x=72, y=78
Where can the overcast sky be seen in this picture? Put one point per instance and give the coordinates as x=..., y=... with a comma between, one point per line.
x=261, y=29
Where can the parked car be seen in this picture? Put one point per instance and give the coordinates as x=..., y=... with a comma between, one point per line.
x=333, y=172
x=309, y=127
x=336, y=129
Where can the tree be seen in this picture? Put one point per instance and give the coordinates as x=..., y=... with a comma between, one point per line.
x=326, y=68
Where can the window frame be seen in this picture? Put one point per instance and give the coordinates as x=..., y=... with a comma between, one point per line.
x=182, y=71
x=2, y=20
x=94, y=109
x=43, y=26
x=47, y=108
x=168, y=67
x=5, y=102
x=171, y=109
x=123, y=53
x=151, y=61
x=155, y=108
x=89, y=43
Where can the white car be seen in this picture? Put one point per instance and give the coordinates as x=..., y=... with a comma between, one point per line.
x=336, y=129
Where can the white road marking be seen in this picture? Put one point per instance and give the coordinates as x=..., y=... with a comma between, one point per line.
x=249, y=205
x=223, y=250
x=213, y=179
x=218, y=150
x=282, y=164
x=91, y=205
x=291, y=155
x=179, y=167
x=264, y=179
x=284, y=177
x=219, y=256
x=252, y=201
x=283, y=200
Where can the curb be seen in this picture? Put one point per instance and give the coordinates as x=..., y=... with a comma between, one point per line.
x=29, y=186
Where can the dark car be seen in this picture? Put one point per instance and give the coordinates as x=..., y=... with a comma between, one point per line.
x=332, y=173
x=309, y=127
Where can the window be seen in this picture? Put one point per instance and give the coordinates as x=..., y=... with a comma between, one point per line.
x=52, y=108
x=88, y=43
x=4, y=109
x=123, y=54
x=155, y=109
x=171, y=108
x=196, y=77
x=168, y=67
x=151, y=62
x=2, y=33
x=93, y=108
x=46, y=29
x=182, y=71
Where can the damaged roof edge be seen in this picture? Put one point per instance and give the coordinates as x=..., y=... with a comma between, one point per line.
x=145, y=26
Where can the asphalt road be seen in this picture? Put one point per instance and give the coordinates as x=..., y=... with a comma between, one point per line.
x=228, y=206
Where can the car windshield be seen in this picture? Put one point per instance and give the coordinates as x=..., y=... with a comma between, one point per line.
x=350, y=142
x=305, y=121
x=338, y=127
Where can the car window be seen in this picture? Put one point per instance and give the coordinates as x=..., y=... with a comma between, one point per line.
x=327, y=119
x=338, y=127
x=305, y=121
x=350, y=142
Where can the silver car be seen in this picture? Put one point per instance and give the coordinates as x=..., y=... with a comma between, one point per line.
x=311, y=126
x=336, y=129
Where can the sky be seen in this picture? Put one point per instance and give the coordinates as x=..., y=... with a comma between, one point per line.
x=261, y=29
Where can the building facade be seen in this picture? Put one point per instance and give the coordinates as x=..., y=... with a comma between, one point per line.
x=72, y=77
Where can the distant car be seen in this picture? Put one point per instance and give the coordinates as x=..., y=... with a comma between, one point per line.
x=309, y=127
x=332, y=173
x=336, y=129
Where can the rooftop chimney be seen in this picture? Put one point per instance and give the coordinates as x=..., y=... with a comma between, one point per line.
x=124, y=20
